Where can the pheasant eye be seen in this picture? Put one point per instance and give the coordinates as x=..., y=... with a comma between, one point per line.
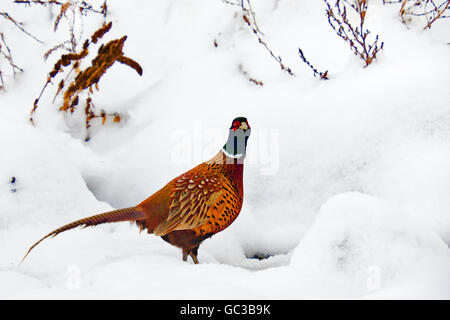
x=235, y=125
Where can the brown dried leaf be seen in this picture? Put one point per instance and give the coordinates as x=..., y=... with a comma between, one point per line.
x=101, y=32
x=131, y=63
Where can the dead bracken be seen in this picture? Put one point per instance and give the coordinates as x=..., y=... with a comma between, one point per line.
x=86, y=80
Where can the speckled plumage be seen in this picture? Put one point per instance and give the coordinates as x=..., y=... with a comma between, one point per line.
x=193, y=206
x=200, y=203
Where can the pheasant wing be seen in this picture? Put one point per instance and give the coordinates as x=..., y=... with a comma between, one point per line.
x=190, y=200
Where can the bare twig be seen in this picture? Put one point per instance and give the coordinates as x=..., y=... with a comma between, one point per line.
x=250, y=78
x=17, y=24
x=322, y=75
x=438, y=13
x=5, y=52
x=431, y=10
x=71, y=11
x=82, y=6
x=250, y=19
x=246, y=10
x=356, y=37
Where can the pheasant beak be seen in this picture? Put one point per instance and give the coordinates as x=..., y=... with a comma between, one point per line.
x=243, y=126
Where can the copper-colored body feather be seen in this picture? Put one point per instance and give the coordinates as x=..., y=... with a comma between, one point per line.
x=190, y=208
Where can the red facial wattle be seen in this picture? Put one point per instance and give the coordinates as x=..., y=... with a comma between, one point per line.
x=236, y=125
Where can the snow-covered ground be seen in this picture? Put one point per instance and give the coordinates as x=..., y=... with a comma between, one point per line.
x=347, y=181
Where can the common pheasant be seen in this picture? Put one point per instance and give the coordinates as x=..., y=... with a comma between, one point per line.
x=192, y=207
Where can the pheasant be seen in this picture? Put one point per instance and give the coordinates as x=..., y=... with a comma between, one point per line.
x=192, y=207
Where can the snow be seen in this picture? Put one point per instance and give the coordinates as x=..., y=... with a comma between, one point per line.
x=346, y=180
x=361, y=244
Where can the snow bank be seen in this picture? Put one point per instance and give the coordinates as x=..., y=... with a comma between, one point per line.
x=362, y=245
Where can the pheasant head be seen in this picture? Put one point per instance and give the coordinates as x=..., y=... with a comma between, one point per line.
x=236, y=145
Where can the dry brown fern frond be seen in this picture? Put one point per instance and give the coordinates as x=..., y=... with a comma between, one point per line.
x=85, y=80
x=107, y=55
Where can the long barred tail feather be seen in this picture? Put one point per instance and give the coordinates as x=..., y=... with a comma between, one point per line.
x=126, y=214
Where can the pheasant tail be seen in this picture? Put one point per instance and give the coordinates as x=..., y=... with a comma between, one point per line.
x=126, y=214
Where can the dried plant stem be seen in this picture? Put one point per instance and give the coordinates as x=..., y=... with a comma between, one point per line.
x=5, y=52
x=8, y=55
x=432, y=10
x=249, y=17
x=356, y=37
x=9, y=18
x=439, y=14
x=1, y=80
x=249, y=78
x=87, y=79
x=246, y=10
x=82, y=6
x=72, y=11
x=322, y=75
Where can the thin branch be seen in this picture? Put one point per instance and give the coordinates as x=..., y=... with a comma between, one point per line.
x=9, y=18
x=81, y=5
x=250, y=19
x=322, y=75
x=356, y=37
x=439, y=13
x=431, y=10
x=8, y=55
